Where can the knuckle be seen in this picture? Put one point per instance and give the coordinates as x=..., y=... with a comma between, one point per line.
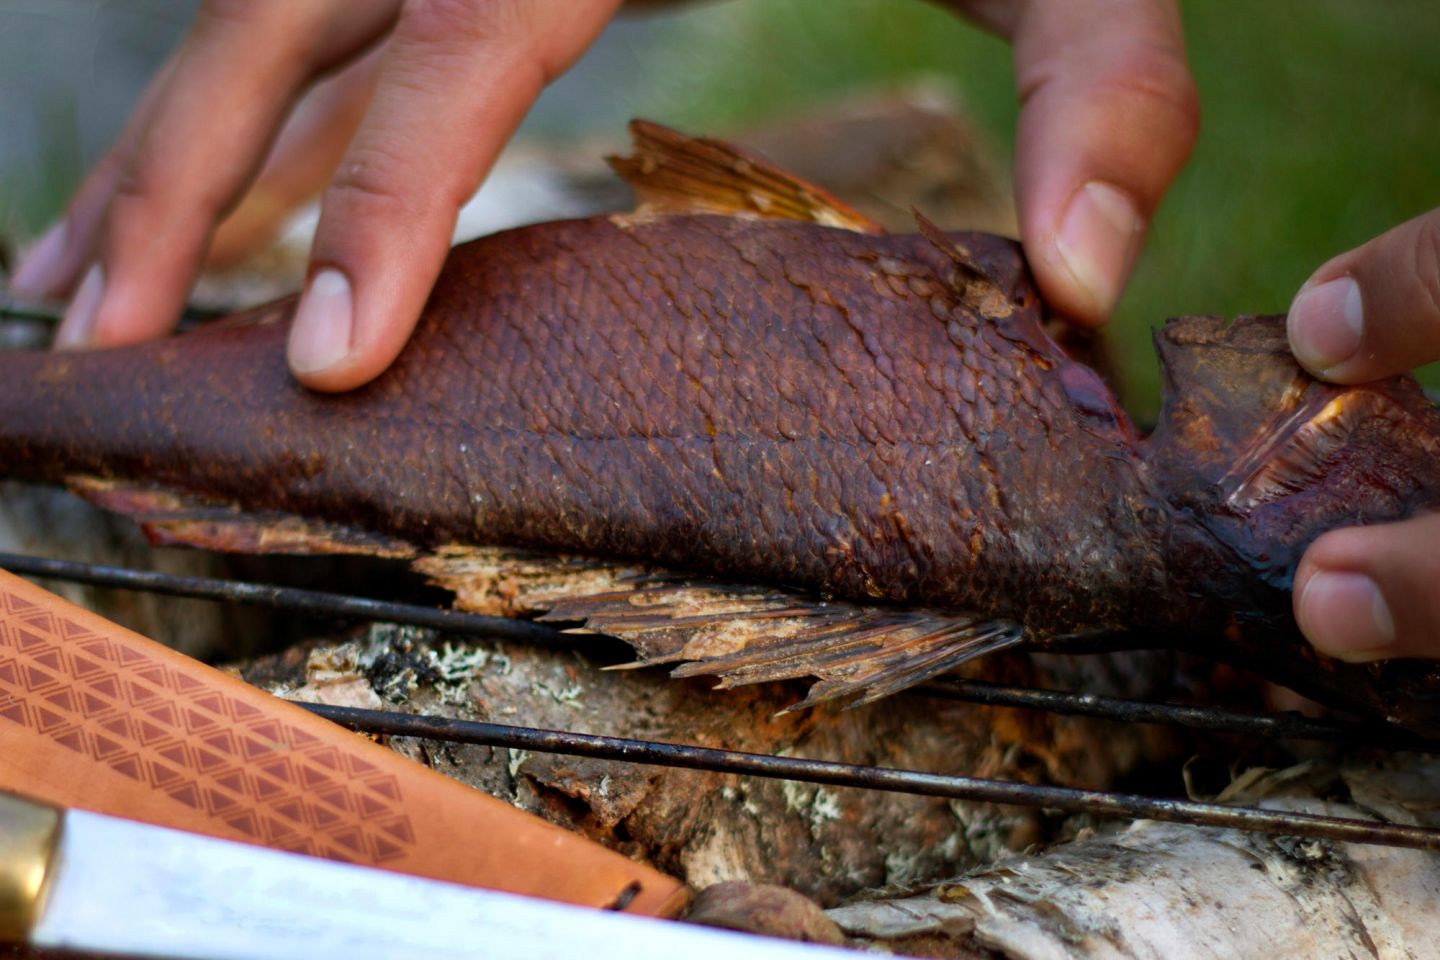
x=111, y=166
x=141, y=181
x=366, y=185
x=167, y=183
x=1159, y=84
x=467, y=22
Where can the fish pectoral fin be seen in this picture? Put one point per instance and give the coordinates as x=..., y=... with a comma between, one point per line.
x=169, y=518
x=747, y=634
x=673, y=173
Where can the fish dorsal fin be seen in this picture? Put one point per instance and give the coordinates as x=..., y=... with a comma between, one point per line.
x=672, y=173
x=975, y=286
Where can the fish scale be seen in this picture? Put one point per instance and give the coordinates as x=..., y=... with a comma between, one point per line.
x=577, y=427
x=857, y=419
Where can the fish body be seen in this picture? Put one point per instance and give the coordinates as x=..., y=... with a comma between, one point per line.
x=877, y=423
x=764, y=401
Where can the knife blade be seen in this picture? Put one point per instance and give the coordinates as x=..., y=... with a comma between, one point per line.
x=75, y=880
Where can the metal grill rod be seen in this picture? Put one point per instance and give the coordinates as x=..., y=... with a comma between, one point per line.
x=318, y=603
x=27, y=311
x=974, y=789
x=292, y=599
x=1286, y=726
x=24, y=315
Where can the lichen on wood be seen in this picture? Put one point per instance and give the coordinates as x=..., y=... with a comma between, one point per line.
x=826, y=842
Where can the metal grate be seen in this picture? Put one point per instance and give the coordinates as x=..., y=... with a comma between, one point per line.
x=49, y=314
x=1094, y=802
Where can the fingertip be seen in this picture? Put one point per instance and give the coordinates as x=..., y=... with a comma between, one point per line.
x=97, y=317
x=368, y=287
x=78, y=328
x=103, y=314
x=323, y=330
x=1344, y=614
x=1061, y=293
x=1109, y=116
x=328, y=349
x=1326, y=328
x=1368, y=593
x=417, y=156
x=41, y=271
x=353, y=371
x=1373, y=311
x=1092, y=253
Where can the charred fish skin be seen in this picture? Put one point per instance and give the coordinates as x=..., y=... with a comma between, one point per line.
x=869, y=437
x=765, y=401
x=1257, y=459
x=780, y=403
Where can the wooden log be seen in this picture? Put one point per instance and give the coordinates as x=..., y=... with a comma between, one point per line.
x=1164, y=890
x=706, y=828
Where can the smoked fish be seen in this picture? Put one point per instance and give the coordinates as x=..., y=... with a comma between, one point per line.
x=863, y=448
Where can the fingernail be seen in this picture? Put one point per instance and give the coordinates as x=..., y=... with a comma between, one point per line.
x=1326, y=323
x=320, y=337
x=38, y=273
x=1098, y=241
x=77, y=330
x=1345, y=615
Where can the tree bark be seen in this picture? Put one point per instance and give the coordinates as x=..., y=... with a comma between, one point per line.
x=1159, y=890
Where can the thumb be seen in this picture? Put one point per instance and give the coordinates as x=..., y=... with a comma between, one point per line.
x=1374, y=311
x=1370, y=593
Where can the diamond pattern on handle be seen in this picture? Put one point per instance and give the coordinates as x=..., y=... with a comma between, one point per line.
x=260, y=776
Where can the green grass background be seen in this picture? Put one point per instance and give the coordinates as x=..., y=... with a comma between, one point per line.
x=1321, y=124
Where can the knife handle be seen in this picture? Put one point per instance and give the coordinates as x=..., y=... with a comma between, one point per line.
x=28, y=834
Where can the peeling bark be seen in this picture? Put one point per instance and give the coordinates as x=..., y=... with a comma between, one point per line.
x=1159, y=890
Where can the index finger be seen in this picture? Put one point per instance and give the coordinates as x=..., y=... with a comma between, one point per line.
x=1109, y=116
x=455, y=83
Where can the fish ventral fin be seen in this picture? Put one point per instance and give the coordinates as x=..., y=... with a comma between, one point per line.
x=170, y=518
x=750, y=634
x=672, y=173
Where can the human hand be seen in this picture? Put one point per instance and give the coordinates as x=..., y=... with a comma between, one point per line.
x=1369, y=593
x=1109, y=117
x=1109, y=114
x=445, y=86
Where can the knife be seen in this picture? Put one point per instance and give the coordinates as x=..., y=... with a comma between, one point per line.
x=76, y=880
x=97, y=717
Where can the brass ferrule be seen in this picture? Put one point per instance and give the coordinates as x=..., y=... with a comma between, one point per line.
x=28, y=834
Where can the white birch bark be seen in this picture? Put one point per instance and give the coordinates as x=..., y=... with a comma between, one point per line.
x=1160, y=891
